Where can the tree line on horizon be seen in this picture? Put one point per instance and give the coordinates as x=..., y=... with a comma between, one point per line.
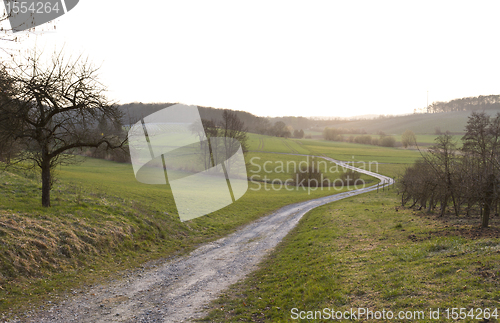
x=482, y=102
x=286, y=127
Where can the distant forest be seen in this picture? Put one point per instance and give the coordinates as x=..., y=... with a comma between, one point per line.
x=281, y=127
x=291, y=126
x=474, y=103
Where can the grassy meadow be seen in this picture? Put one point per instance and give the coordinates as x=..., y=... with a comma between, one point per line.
x=102, y=221
x=420, y=123
x=338, y=150
x=368, y=252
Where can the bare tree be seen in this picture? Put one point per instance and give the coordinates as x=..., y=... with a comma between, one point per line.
x=53, y=110
x=482, y=143
x=232, y=127
x=443, y=161
x=470, y=177
x=419, y=185
x=8, y=38
x=434, y=178
x=6, y=146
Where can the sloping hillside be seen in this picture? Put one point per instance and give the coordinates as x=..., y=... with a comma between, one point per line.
x=424, y=123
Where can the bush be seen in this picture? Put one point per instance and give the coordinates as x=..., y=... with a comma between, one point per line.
x=332, y=134
x=310, y=176
x=408, y=138
x=298, y=133
x=387, y=141
x=363, y=139
x=349, y=177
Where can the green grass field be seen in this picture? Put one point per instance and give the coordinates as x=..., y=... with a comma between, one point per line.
x=275, y=144
x=355, y=152
x=338, y=150
x=366, y=252
x=427, y=140
x=102, y=220
x=423, y=140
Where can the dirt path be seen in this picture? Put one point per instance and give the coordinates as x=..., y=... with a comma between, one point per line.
x=178, y=290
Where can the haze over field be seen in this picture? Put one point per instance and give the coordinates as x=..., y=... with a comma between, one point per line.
x=286, y=58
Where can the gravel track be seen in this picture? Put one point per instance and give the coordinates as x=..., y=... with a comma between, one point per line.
x=179, y=289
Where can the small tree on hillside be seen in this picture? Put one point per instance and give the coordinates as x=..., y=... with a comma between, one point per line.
x=279, y=129
x=299, y=134
x=408, y=138
x=53, y=110
x=231, y=127
x=310, y=176
x=332, y=134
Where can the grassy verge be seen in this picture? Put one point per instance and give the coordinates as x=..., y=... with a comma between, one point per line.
x=366, y=252
x=103, y=221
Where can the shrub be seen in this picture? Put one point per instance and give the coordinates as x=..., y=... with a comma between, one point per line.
x=349, y=177
x=363, y=139
x=310, y=176
x=332, y=134
x=387, y=141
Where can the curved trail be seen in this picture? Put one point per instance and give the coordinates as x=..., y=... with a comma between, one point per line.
x=178, y=290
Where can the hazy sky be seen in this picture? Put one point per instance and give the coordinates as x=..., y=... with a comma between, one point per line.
x=311, y=58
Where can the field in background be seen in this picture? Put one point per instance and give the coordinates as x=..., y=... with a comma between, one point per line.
x=423, y=140
x=338, y=150
x=419, y=123
x=281, y=167
x=275, y=144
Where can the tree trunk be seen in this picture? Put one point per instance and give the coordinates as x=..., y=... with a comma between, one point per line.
x=486, y=215
x=455, y=205
x=444, y=204
x=46, y=184
x=488, y=201
x=430, y=205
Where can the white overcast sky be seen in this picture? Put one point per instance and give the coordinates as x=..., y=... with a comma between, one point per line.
x=272, y=58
